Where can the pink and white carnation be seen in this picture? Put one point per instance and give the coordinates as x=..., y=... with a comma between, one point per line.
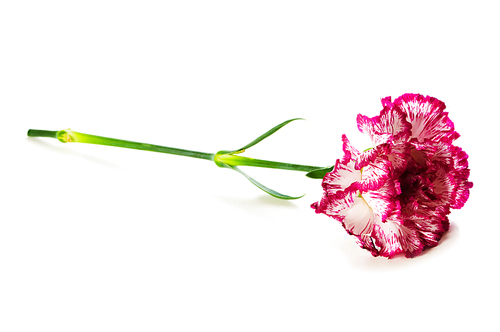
x=395, y=197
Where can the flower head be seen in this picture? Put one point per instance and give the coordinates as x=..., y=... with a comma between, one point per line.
x=395, y=197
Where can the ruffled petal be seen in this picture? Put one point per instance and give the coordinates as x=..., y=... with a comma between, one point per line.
x=371, y=127
x=343, y=177
x=386, y=102
x=339, y=187
x=350, y=152
x=388, y=238
x=384, y=201
x=395, y=197
x=359, y=218
x=400, y=153
x=430, y=225
x=362, y=159
x=393, y=121
x=427, y=117
x=369, y=156
x=375, y=174
x=443, y=154
x=447, y=169
x=461, y=175
x=392, y=238
x=443, y=189
x=422, y=152
x=390, y=126
x=332, y=205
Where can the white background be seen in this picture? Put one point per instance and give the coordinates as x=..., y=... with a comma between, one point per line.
x=104, y=239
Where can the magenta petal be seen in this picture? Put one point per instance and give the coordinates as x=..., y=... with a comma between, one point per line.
x=444, y=189
x=461, y=176
x=431, y=225
x=375, y=174
x=339, y=187
x=371, y=155
x=393, y=121
x=332, y=204
x=386, y=102
x=371, y=127
x=427, y=117
x=383, y=201
x=350, y=152
x=393, y=238
x=343, y=177
x=390, y=126
x=399, y=156
x=443, y=154
x=390, y=238
x=359, y=218
x=394, y=198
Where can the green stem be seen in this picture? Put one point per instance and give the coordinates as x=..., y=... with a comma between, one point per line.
x=225, y=159
x=66, y=136
x=222, y=159
x=42, y=133
x=233, y=160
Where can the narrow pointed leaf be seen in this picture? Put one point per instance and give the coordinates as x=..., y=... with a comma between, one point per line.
x=319, y=173
x=265, y=135
x=264, y=188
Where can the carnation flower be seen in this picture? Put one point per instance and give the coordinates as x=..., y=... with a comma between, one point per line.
x=395, y=197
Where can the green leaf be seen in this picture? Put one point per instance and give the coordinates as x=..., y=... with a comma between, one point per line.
x=228, y=159
x=265, y=135
x=319, y=173
x=264, y=188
